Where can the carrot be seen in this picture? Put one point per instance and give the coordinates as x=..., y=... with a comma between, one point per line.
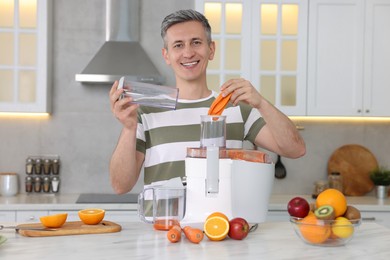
x=219, y=104
x=194, y=235
x=174, y=234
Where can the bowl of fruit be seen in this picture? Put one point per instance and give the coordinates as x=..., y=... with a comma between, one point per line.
x=329, y=221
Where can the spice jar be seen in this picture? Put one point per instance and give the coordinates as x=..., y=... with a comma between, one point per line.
x=46, y=184
x=56, y=166
x=38, y=166
x=335, y=181
x=37, y=184
x=55, y=184
x=29, y=184
x=46, y=166
x=29, y=166
x=319, y=186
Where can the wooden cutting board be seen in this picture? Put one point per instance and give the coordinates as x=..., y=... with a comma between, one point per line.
x=69, y=228
x=354, y=163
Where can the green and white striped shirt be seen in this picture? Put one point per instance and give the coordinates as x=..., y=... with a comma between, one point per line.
x=164, y=135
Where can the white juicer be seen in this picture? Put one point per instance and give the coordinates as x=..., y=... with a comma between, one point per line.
x=223, y=180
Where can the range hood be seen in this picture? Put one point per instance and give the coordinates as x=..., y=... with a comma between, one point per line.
x=121, y=54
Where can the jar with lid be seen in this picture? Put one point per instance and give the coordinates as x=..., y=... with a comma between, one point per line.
x=46, y=184
x=37, y=184
x=319, y=186
x=29, y=184
x=29, y=166
x=336, y=181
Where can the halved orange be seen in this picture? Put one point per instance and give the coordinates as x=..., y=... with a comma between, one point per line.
x=91, y=216
x=216, y=226
x=54, y=221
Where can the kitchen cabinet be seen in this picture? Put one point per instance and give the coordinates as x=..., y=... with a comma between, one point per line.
x=379, y=217
x=29, y=216
x=264, y=42
x=25, y=55
x=7, y=216
x=348, y=58
x=110, y=215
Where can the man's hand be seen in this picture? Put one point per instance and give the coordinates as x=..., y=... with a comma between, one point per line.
x=122, y=109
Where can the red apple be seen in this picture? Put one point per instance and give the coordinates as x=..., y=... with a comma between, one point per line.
x=298, y=207
x=239, y=228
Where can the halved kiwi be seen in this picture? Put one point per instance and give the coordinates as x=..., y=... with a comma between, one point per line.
x=325, y=212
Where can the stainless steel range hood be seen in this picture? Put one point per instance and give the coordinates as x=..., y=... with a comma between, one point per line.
x=121, y=54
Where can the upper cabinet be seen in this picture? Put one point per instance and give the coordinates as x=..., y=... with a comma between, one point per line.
x=24, y=55
x=348, y=58
x=264, y=42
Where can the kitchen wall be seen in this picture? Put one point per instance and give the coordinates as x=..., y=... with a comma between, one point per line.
x=82, y=130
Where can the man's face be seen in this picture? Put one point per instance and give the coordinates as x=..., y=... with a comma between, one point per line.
x=188, y=51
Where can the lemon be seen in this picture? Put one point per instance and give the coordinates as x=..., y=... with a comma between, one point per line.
x=342, y=227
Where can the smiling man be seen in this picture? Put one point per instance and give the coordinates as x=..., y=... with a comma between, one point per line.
x=158, y=138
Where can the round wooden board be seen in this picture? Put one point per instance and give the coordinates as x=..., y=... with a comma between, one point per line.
x=354, y=163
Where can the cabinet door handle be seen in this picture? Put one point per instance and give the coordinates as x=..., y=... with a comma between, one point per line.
x=367, y=110
x=359, y=110
x=369, y=219
x=31, y=218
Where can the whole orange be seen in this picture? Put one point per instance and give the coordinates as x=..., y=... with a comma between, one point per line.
x=334, y=198
x=313, y=230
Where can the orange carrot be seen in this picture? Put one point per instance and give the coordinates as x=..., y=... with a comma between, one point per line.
x=193, y=234
x=219, y=104
x=174, y=234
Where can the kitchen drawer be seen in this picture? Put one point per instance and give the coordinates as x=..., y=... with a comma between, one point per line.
x=379, y=217
x=111, y=215
x=7, y=216
x=29, y=216
x=278, y=216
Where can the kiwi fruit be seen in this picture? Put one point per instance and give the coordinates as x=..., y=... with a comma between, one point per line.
x=325, y=212
x=352, y=213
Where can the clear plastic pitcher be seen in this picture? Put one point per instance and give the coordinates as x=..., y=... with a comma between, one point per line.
x=149, y=94
x=162, y=206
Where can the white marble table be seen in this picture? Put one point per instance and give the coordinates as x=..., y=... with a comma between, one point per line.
x=273, y=240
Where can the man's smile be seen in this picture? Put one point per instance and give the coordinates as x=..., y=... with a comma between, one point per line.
x=190, y=64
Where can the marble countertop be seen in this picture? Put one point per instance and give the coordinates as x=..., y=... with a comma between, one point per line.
x=272, y=240
x=68, y=202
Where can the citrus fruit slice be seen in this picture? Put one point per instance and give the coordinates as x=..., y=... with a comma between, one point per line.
x=313, y=230
x=54, y=221
x=216, y=228
x=333, y=198
x=92, y=216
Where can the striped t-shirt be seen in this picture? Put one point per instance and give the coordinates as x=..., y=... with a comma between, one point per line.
x=164, y=135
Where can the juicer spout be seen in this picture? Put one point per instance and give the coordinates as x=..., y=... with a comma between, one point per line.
x=212, y=177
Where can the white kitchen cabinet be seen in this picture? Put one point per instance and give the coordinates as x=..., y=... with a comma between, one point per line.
x=348, y=58
x=277, y=216
x=28, y=216
x=7, y=216
x=379, y=217
x=110, y=215
x=25, y=56
x=264, y=42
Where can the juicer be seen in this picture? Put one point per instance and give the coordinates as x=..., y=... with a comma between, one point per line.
x=235, y=182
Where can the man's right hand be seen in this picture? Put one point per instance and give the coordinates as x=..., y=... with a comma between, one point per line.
x=123, y=109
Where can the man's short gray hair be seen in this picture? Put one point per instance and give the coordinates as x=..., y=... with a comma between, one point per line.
x=185, y=16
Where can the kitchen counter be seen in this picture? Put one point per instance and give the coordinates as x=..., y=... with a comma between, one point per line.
x=68, y=202
x=272, y=240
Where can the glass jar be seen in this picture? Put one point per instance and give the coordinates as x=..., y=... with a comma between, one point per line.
x=319, y=186
x=335, y=181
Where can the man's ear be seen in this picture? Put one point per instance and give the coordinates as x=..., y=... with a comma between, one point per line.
x=212, y=50
x=164, y=53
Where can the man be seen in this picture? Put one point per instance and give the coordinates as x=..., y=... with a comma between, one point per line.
x=158, y=138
